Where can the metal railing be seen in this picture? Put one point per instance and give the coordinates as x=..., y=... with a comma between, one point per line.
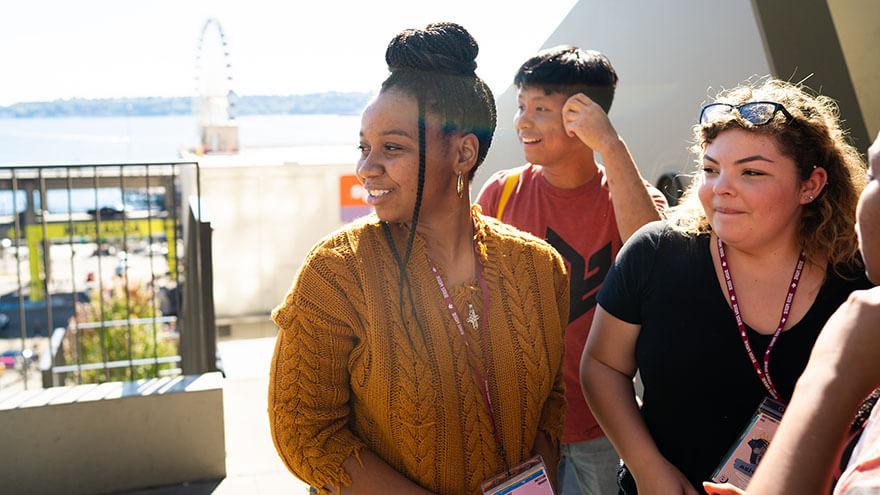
x=112, y=274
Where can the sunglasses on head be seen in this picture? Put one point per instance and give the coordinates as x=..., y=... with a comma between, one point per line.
x=755, y=112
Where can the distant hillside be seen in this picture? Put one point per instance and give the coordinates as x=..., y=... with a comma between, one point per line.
x=319, y=103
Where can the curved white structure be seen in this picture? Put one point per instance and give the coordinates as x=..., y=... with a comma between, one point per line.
x=672, y=56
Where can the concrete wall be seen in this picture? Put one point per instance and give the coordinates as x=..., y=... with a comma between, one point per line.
x=116, y=436
x=265, y=220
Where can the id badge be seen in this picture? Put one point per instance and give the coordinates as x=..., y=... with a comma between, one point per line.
x=742, y=459
x=528, y=478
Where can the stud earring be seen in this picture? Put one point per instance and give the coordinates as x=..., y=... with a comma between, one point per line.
x=459, y=185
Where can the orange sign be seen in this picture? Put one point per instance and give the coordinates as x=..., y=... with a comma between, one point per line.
x=352, y=196
x=351, y=192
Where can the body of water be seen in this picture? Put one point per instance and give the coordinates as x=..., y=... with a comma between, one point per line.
x=149, y=139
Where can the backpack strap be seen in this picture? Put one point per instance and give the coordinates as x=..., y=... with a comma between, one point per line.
x=509, y=183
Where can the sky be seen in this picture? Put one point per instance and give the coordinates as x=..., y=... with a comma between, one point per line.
x=122, y=48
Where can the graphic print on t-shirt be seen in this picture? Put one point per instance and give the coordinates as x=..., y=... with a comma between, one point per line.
x=583, y=283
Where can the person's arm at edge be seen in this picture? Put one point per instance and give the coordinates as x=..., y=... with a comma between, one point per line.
x=803, y=452
x=841, y=372
x=606, y=374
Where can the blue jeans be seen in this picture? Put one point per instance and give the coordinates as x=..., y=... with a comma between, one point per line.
x=588, y=468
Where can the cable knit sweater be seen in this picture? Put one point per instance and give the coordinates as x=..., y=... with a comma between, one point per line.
x=348, y=375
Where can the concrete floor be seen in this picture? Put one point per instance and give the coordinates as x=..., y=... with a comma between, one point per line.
x=252, y=465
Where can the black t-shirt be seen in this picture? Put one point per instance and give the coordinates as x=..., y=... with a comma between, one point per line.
x=700, y=386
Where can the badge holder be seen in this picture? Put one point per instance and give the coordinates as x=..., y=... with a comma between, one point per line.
x=528, y=478
x=742, y=459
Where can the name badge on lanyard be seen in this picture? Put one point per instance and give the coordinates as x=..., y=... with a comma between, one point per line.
x=528, y=478
x=739, y=465
x=742, y=459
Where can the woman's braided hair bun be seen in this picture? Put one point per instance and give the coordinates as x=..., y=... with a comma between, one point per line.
x=441, y=47
x=437, y=66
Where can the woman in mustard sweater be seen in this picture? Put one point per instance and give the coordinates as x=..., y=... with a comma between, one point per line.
x=420, y=348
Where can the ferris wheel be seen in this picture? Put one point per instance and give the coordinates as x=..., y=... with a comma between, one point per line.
x=214, y=103
x=215, y=99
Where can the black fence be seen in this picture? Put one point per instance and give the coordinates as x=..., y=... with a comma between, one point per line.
x=105, y=274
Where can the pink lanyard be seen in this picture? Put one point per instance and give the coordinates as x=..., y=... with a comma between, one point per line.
x=479, y=377
x=763, y=374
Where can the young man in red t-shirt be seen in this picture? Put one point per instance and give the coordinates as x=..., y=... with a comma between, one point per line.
x=585, y=210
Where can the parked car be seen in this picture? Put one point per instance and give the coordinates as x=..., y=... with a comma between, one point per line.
x=107, y=212
x=15, y=358
x=9, y=358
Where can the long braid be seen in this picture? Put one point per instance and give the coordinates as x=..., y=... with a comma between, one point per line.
x=420, y=191
x=403, y=263
x=436, y=66
x=421, y=184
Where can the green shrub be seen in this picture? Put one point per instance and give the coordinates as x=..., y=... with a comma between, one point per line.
x=138, y=340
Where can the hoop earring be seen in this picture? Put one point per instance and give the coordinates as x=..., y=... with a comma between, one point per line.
x=459, y=185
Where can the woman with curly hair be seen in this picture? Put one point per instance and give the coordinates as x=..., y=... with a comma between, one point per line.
x=814, y=435
x=719, y=306
x=420, y=348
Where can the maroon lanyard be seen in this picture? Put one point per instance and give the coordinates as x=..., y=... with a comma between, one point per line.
x=763, y=374
x=480, y=378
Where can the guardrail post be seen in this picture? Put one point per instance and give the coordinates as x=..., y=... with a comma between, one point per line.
x=49, y=358
x=198, y=333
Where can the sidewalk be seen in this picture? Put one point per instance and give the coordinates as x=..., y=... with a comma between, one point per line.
x=252, y=465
